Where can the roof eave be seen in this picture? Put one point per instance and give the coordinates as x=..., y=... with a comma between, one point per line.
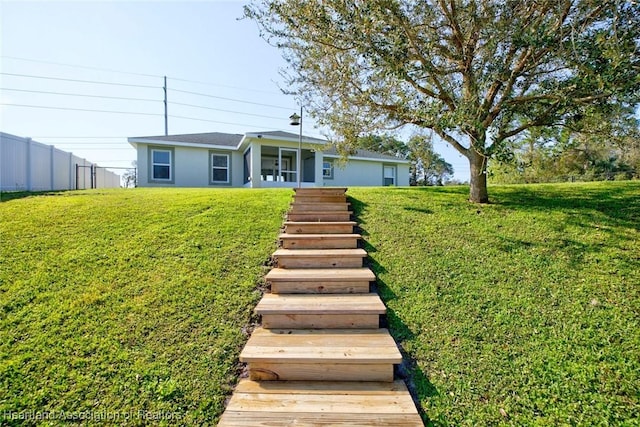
x=282, y=138
x=369, y=159
x=136, y=141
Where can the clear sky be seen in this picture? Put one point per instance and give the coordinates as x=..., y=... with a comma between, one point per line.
x=116, y=53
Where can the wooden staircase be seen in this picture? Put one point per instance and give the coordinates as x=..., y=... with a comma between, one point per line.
x=320, y=357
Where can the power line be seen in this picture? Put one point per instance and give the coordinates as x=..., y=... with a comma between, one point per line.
x=79, y=81
x=82, y=109
x=225, y=111
x=225, y=86
x=80, y=66
x=80, y=94
x=216, y=121
x=81, y=137
x=139, y=74
x=229, y=99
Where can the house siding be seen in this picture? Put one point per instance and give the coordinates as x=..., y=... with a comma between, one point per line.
x=363, y=173
x=190, y=167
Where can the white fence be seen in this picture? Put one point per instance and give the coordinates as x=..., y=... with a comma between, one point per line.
x=27, y=165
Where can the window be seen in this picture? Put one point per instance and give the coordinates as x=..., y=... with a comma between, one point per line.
x=327, y=170
x=161, y=165
x=220, y=168
x=389, y=175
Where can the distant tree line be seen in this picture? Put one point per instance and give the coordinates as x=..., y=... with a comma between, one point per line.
x=598, y=146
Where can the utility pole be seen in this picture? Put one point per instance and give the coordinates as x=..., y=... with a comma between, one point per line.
x=166, y=117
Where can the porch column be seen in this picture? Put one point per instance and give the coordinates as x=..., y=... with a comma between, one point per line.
x=319, y=180
x=256, y=165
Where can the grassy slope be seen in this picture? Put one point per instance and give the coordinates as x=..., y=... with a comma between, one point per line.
x=523, y=312
x=127, y=301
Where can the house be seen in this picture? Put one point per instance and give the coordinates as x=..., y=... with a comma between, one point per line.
x=263, y=159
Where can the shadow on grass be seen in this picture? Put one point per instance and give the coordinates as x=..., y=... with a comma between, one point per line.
x=14, y=195
x=620, y=203
x=417, y=381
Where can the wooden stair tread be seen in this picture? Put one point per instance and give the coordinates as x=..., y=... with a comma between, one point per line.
x=308, y=346
x=320, y=214
x=320, y=274
x=319, y=227
x=319, y=217
x=321, y=304
x=299, y=207
x=323, y=190
x=294, y=223
x=319, y=236
x=320, y=252
x=314, y=403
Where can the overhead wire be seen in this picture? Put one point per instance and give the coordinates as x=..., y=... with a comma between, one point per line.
x=82, y=109
x=80, y=66
x=31, y=76
x=80, y=94
x=228, y=99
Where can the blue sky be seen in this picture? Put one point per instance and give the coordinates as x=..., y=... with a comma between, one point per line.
x=116, y=54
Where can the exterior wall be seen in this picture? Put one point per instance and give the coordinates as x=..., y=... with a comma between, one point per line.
x=26, y=165
x=364, y=173
x=403, y=175
x=190, y=167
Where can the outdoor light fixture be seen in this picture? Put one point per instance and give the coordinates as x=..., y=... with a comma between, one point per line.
x=296, y=120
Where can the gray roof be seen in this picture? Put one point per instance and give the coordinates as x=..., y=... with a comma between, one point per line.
x=363, y=153
x=211, y=138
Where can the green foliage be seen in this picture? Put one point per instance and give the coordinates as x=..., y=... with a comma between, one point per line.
x=129, y=301
x=475, y=73
x=598, y=146
x=520, y=312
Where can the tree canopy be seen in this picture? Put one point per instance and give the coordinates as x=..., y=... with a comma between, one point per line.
x=476, y=72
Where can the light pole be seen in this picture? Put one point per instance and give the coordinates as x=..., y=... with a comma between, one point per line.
x=296, y=120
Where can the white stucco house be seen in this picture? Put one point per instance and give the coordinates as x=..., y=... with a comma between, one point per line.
x=262, y=159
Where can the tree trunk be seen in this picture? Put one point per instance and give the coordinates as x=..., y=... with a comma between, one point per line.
x=478, y=189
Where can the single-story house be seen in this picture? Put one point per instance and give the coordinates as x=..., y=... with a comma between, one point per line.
x=262, y=159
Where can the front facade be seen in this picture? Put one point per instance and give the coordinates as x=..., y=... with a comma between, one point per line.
x=266, y=159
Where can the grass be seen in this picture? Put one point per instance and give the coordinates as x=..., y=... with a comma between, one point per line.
x=522, y=312
x=129, y=303
x=137, y=302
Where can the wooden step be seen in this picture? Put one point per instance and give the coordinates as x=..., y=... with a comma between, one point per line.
x=318, y=403
x=331, y=311
x=307, y=198
x=319, y=207
x=345, y=227
x=320, y=281
x=319, y=258
x=319, y=241
x=321, y=355
x=325, y=191
x=327, y=216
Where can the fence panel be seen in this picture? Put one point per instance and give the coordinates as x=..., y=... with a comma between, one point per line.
x=13, y=155
x=27, y=165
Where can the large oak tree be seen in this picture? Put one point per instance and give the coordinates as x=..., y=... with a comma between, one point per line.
x=477, y=73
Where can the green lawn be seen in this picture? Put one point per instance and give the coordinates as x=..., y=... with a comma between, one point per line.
x=129, y=302
x=522, y=312
x=137, y=302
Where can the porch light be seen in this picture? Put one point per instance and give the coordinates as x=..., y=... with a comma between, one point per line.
x=295, y=119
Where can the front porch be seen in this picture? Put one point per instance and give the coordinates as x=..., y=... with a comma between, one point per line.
x=282, y=167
